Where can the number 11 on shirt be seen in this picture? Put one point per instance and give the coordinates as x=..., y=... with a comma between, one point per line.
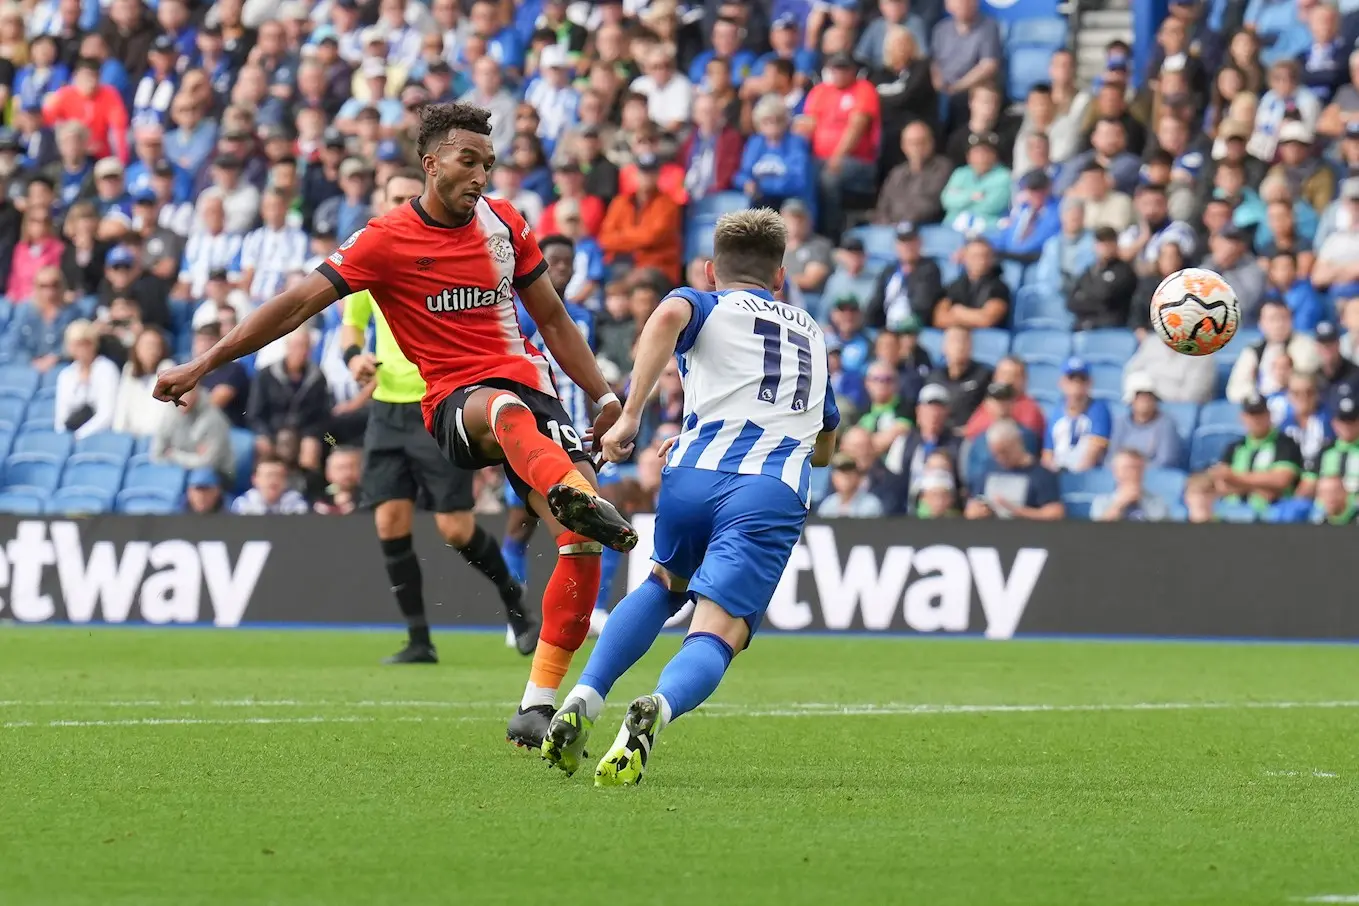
x=773, y=363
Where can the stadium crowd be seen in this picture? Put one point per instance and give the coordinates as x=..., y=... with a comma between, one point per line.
x=978, y=233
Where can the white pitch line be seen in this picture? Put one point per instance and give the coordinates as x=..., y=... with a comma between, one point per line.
x=225, y=721
x=1330, y=898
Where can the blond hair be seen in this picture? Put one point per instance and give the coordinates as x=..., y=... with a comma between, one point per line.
x=748, y=246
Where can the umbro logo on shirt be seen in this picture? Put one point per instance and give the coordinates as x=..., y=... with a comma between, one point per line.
x=423, y=264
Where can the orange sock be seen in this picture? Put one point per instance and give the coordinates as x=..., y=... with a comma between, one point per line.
x=532, y=455
x=568, y=599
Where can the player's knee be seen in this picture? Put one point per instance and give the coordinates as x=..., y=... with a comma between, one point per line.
x=501, y=402
x=392, y=518
x=710, y=619
x=457, y=529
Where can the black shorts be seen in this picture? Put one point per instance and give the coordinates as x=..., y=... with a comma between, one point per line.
x=551, y=416
x=401, y=461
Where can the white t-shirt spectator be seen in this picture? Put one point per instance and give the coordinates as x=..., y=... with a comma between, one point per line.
x=252, y=503
x=99, y=391
x=138, y=412
x=669, y=103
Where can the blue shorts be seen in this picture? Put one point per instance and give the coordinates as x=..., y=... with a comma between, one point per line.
x=729, y=535
x=512, y=498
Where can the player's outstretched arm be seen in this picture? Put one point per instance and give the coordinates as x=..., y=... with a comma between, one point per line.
x=654, y=349
x=278, y=317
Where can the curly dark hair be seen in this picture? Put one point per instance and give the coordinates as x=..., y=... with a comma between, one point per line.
x=437, y=120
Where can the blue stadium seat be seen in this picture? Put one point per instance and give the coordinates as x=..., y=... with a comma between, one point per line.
x=141, y=446
x=58, y=446
x=1039, y=308
x=47, y=384
x=1093, y=481
x=719, y=204
x=1046, y=397
x=77, y=502
x=880, y=242
x=1047, y=32
x=1168, y=484
x=1186, y=419
x=145, y=503
x=243, y=450
x=1050, y=346
x=698, y=237
x=34, y=472
x=6, y=442
x=6, y=312
x=110, y=443
x=931, y=340
x=1012, y=272
x=165, y=480
x=1229, y=511
x=18, y=380
x=938, y=241
x=181, y=315
x=1113, y=346
x=21, y=503
x=1220, y=414
x=1106, y=382
x=1209, y=443
x=12, y=409
x=1043, y=380
x=1027, y=67
x=989, y=345
x=93, y=471
x=1179, y=513
x=1078, y=507
x=42, y=411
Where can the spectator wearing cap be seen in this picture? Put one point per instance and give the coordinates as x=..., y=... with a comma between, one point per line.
x=842, y=119
x=272, y=253
x=775, y=165
x=1338, y=458
x=644, y=226
x=488, y=91
x=847, y=328
x=977, y=194
x=35, y=335
x=352, y=209
x=1102, y=294
x=1286, y=100
x=807, y=257
x=203, y=493
x=962, y=376
x=1228, y=256
x=905, y=460
x=850, y=497
x=191, y=142
x=1262, y=467
x=1129, y=501
x=33, y=143
x=910, y=290
x=1007, y=396
x=979, y=296
x=1016, y=486
x=725, y=37
x=42, y=74
x=124, y=275
x=1285, y=285
x=210, y=246
x=711, y=155
x=1032, y=221
x=914, y=189
x=1308, y=177
x=999, y=405
x=1145, y=428
x=552, y=94
x=786, y=47
x=1338, y=374
x=1140, y=244
x=1253, y=373
x=967, y=50
x=39, y=249
x=1109, y=149
x=669, y=94
x=851, y=280
x=98, y=108
x=1078, y=436
x=1067, y=255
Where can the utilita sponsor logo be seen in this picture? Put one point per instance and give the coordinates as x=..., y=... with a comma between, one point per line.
x=928, y=589
x=168, y=581
x=462, y=298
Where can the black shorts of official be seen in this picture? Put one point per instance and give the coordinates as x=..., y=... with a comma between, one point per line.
x=401, y=461
x=553, y=422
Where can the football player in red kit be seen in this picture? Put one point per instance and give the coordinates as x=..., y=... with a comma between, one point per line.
x=444, y=270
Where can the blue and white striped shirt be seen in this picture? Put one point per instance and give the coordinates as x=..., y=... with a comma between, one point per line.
x=272, y=255
x=205, y=253
x=756, y=387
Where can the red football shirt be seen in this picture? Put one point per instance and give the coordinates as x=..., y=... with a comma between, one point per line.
x=448, y=293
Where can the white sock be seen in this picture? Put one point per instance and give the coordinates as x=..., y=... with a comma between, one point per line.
x=666, y=711
x=537, y=695
x=589, y=698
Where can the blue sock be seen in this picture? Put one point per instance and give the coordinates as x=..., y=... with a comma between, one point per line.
x=608, y=567
x=632, y=628
x=694, y=672
x=516, y=558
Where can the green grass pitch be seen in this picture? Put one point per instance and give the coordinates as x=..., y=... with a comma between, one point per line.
x=147, y=767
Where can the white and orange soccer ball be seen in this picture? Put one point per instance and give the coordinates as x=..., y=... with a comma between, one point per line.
x=1195, y=312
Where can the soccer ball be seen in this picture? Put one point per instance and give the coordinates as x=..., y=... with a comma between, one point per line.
x=1195, y=311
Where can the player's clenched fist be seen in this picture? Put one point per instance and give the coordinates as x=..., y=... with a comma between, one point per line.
x=173, y=383
x=617, y=439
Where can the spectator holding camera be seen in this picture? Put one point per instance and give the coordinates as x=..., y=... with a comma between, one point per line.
x=88, y=387
x=1017, y=486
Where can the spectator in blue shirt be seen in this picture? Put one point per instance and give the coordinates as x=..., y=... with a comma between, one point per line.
x=1302, y=299
x=776, y=165
x=111, y=198
x=890, y=12
x=72, y=174
x=43, y=74
x=1305, y=420
x=35, y=142
x=1068, y=254
x=189, y=145
x=847, y=326
x=785, y=42
x=726, y=45
x=502, y=44
x=36, y=334
x=1078, y=435
x=1282, y=33
x=1032, y=221
x=1017, y=487
x=1109, y=149
x=149, y=146
x=1325, y=62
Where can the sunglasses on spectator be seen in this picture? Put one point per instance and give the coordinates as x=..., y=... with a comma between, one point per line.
x=48, y=284
x=880, y=378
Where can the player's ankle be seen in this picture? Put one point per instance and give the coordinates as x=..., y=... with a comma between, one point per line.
x=574, y=479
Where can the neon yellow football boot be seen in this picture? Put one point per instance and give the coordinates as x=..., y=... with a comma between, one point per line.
x=624, y=764
x=564, y=742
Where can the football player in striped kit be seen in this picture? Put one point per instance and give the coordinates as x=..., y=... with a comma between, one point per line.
x=759, y=412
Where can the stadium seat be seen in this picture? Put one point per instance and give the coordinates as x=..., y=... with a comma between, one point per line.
x=12, y=408
x=1048, y=346
x=1106, y=382
x=18, y=380
x=1043, y=380
x=1113, y=346
x=6, y=442
x=1039, y=308
x=41, y=413
x=1047, y=32
x=243, y=451
x=1220, y=414
x=1078, y=506
x=718, y=204
x=989, y=345
x=1209, y=443
x=1168, y=484
x=698, y=237
x=145, y=503
x=49, y=442
x=1027, y=67
x=1091, y=481
x=1012, y=272
x=880, y=242
x=48, y=382
x=931, y=340
x=21, y=503
x=1186, y=419
x=93, y=471
x=6, y=312
x=110, y=443
x=1230, y=511
x=938, y=241
x=35, y=472
x=77, y=501
x=165, y=480
x=1046, y=398
x=1179, y=513
x=141, y=446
